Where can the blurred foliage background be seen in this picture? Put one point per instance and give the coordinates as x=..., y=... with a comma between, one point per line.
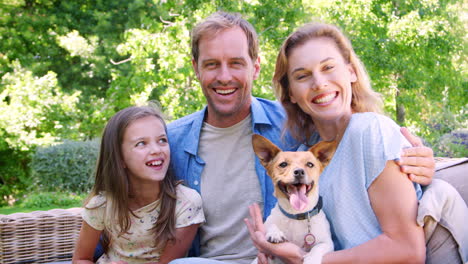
x=67, y=66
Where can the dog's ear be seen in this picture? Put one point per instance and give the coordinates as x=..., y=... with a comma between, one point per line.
x=264, y=149
x=324, y=151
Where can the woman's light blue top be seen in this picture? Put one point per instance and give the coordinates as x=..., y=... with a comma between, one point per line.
x=369, y=142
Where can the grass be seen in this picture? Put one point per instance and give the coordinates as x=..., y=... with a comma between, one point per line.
x=19, y=209
x=43, y=201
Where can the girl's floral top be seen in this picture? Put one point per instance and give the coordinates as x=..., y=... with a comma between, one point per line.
x=137, y=245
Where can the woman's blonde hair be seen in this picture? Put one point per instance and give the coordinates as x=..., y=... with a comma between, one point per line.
x=364, y=99
x=112, y=180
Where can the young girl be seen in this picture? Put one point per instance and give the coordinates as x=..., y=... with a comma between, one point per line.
x=142, y=213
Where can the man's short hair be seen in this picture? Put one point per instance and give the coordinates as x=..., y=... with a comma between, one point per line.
x=219, y=21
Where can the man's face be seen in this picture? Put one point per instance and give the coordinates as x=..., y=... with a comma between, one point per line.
x=226, y=73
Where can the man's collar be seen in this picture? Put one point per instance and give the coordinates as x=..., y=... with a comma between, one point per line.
x=258, y=113
x=258, y=117
x=306, y=215
x=194, y=133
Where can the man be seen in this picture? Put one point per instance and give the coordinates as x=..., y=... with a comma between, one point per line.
x=211, y=149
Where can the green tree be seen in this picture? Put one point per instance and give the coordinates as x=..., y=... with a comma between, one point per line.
x=67, y=66
x=33, y=112
x=414, y=52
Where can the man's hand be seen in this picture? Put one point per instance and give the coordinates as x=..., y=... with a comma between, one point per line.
x=287, y=252
x=418, y=161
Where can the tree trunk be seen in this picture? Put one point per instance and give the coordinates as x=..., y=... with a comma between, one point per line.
x=400, y=109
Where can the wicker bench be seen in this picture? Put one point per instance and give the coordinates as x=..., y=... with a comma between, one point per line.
x=39, y=237
x=49, y=236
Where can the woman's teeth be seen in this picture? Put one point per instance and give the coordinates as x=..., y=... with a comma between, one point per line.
x=324, y=99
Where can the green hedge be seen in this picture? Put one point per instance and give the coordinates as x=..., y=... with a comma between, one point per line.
x=453, y=144
x=14, y=174
x=65, y=167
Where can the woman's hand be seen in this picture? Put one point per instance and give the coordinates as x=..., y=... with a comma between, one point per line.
x=287, y=252
x=418, y=161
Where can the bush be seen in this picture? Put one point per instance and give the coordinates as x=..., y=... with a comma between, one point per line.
x=447, y=133
x=14, y=176
x=65, y=167
x=453, y=144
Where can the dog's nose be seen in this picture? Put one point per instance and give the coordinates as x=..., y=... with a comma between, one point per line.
x=298, y=173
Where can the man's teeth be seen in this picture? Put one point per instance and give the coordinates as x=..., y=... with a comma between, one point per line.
x=225, y=91
x=154, y=163
x=325, y=99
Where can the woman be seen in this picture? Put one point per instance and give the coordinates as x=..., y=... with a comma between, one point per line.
x=370, y=204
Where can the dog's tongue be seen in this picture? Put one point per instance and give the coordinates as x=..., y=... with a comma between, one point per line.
x=297, y=197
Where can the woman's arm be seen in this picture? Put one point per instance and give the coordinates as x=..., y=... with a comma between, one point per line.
x=86, y=244
x=178, y=248
x=394, y=202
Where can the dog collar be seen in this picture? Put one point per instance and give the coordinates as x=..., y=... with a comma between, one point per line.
x=305, y=215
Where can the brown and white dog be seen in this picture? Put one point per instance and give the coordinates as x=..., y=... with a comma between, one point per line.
x=297, y=216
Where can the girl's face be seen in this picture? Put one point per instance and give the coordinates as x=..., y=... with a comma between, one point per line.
x=145, y=150
x=320, y=80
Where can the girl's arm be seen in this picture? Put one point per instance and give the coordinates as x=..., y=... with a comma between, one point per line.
x=86, y=244
x=178, y=248
x=394, y=202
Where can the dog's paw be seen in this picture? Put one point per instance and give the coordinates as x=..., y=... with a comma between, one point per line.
x=276, y=238
x=275, y=235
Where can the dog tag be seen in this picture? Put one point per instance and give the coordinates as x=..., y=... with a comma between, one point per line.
x=309, y=240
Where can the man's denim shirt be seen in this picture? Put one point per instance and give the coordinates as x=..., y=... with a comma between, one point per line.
x=184, y=135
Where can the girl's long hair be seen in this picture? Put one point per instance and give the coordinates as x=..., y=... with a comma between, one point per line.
x=111, y=180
